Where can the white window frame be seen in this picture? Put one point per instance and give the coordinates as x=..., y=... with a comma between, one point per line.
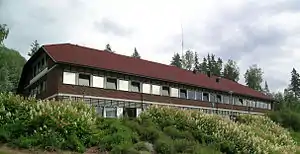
x=99, y=81
x=146, y=88
x=123, y=85
x=69, y=78
x=174, y=91
x=156, y=89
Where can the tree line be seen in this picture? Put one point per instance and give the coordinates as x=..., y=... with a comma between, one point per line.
x=210, y=64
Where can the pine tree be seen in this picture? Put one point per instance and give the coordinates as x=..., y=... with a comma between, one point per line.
x=294, y=86
x=254, y=77
x=176, y=61
x=209, y=64
x=34, y=48
x=136, y=54
x=231, y=71
x=197, y=66
x=204, y=66
x=219, y=67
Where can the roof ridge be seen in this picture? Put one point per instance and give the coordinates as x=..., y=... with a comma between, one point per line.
x=129, y=57
x=158, y=70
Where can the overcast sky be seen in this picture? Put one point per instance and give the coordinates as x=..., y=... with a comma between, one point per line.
x=262, y=32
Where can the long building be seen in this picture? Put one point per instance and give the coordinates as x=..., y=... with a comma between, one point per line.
x=117, y=84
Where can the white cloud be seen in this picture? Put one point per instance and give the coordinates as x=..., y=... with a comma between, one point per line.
x=250, y=31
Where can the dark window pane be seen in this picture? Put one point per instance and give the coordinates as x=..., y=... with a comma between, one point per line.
x=111, y=83
x=205, y=97
x=165, y=91
x=135, y=86
x=84, y=80
x=219, y=98
x=182, y=93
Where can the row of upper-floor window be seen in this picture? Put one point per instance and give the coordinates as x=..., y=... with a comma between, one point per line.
x=156, y=89
x=39, y=65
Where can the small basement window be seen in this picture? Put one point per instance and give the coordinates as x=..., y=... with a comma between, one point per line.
x=111, y=83
x=165, y=91
x=84, y=80
x=135, y=86
x=183, y=93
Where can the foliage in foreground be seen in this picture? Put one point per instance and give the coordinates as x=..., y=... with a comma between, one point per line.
x=48, y=125
x=252, y=134
x=51, y=125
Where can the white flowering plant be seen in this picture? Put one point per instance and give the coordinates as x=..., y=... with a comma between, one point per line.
x=251, y=134
x=71, y=123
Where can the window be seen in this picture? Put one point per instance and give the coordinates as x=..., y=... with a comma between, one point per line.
x=111, y=112
x=129, y=112
x=237, y=101
x=146, y=88
x=84, y=80
x=182, y=93
x=219, y=99
x=69, y=78
x=155, y=89
x=99, y=110
x=191, y=94
x=212, y=97
x=198, y=95
x=165, y=91
x=241, y=102
x=226, y=99
x=135, y=86
x=111, y=83
x=123, y=85
x=98, y=81
x=174, y=92
x=206, y=97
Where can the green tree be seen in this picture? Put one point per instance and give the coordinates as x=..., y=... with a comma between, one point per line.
x=3, y=33
x=176, y=61
x=231, y=71
x=136, y=54
x=204, y=66
x=254, y=77
x=35, y=46
x=197, y=65
x=218, y=67
x=188, y=60
x=294, y=86
x=11, y=65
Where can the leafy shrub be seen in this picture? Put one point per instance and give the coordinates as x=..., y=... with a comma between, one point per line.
x=241, y=137
x=287, y=118
x=63, y=125
x=164, y=145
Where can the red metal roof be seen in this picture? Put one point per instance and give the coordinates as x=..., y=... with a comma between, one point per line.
x=74, y=54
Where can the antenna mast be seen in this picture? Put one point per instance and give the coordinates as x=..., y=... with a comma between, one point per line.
x=181, y=39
